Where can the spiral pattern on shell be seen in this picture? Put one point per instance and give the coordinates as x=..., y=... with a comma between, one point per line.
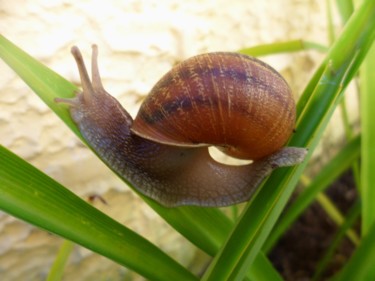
x=229, y=100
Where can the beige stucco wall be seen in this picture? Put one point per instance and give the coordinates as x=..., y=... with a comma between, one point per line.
x=138, y=41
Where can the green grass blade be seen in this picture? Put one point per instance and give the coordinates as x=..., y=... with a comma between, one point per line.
x=345, y=8
x=254, y=225
x=352, y=215
x=57, y=270
x=337, y=70
x=342, y=47
x=330, y=26
x=368, y=147
x=362, y=261
x=30, y=195
x=336, y=215
x=367, y=81
x=339, y=164
x=282, y=47
x=260, y=271
x=40, y=79
x=205, y=227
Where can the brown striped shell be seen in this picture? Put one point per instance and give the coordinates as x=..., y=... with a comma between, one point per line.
x=229, y=100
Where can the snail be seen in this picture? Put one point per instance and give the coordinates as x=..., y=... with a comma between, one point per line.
x=228, y=100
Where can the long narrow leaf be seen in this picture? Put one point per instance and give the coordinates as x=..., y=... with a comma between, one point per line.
x=345, y=8
x=28, y=194
x=332, y=77
x=282, y=47
x=351, y=217
x=40, y=79
x=57, y=269
x=368, y=141
x=340, y=163
x=362, y=261
x=368, y=146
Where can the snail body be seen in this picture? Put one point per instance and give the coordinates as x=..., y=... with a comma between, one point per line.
x=232, y=101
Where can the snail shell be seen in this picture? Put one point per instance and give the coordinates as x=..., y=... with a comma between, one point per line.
x=228, y=100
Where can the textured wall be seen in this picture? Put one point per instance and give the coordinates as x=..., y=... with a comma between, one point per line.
x=138, y=41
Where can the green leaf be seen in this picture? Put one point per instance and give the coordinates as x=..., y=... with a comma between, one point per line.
x=30, y=195
x=362, y=261
x=282, y=47
x=345, y=8
x=40, y=79
x=368, y=146
x=368, y=140
x=57, y=269
x=315, y=109
x=340, y=163
x=351, y=217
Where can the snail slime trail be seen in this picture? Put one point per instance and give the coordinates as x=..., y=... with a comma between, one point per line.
x=231, y=101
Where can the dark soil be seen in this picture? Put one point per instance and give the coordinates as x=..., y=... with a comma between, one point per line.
x=302, y=247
